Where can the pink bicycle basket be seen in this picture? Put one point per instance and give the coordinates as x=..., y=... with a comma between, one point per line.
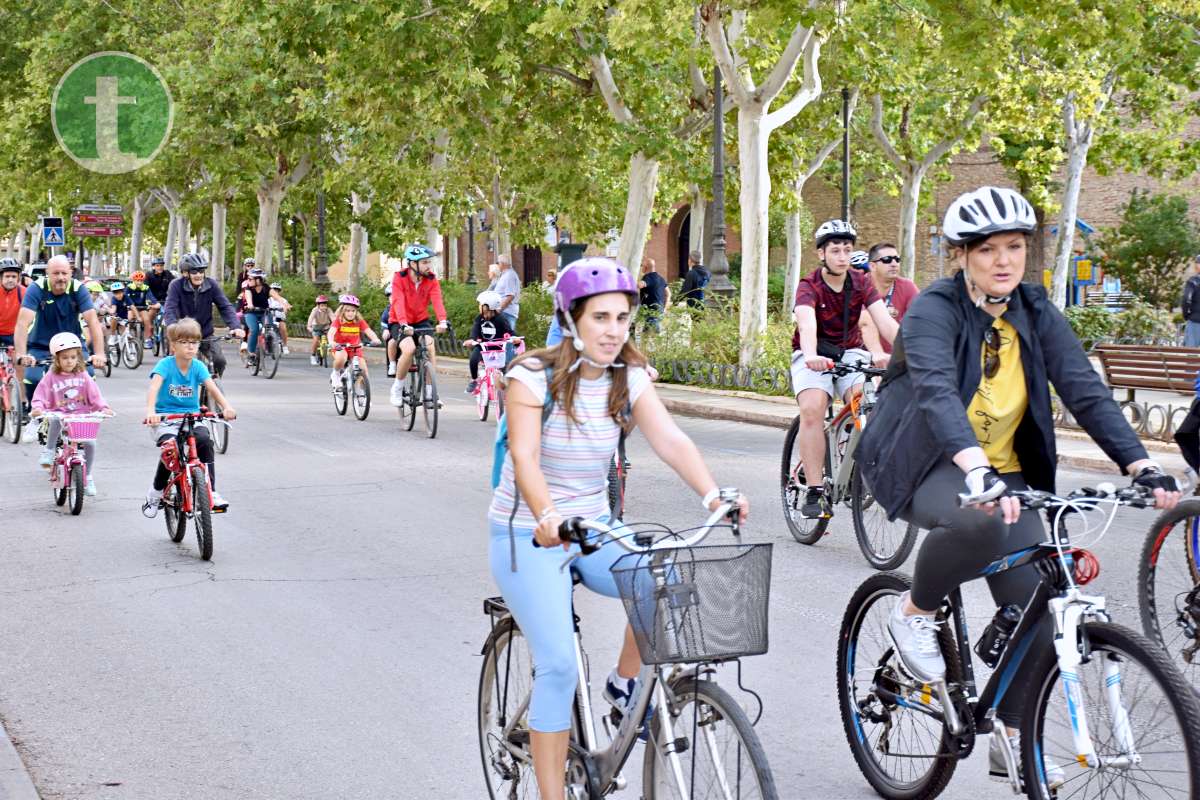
x=83, y=431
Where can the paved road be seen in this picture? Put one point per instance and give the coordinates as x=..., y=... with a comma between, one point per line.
x=331, y=647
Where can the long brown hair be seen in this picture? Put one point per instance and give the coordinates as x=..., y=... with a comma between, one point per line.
x=564, y=383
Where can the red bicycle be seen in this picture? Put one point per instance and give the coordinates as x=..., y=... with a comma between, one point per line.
x=188, y=494
x=489, y=387
x=68, y=473
x=10, y=397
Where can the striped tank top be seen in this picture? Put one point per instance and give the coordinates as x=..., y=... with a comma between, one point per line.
x=574, y=456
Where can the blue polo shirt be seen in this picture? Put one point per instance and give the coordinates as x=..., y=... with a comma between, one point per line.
x=56, y=313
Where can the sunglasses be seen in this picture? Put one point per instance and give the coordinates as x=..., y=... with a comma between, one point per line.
x=889, y=260
x=991, y=361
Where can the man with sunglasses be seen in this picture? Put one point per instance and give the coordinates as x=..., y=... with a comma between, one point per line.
x=883, y=263
x=964, y=415
x=194, y=295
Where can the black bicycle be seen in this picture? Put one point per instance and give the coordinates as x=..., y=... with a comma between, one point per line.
x=420, y=389
x=219, y=431
x=1169, y=586
x=270, y=347
x=1109, y=717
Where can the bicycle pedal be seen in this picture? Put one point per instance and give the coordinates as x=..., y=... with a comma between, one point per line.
x=220, y=510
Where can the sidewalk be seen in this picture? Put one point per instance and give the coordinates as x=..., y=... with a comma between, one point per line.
x=15, y=783
x=1075, y=449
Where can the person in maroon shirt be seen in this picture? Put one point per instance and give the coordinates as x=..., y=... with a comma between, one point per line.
x=826, y=331
x=897, y=293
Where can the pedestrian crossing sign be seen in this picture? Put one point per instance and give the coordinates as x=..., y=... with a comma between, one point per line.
x=52, y=231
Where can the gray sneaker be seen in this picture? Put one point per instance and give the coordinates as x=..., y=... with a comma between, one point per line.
x=998, y=767
x=915, y=638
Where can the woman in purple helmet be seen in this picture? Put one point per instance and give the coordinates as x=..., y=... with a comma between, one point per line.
x=597, y=385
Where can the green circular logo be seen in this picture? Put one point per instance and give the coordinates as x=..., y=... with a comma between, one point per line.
x=112, y=112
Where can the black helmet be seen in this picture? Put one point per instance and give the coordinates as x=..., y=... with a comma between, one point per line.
x=193, y=262
x=157, y=260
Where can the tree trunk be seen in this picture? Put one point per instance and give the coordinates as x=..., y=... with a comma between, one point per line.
x=172, y=231
x=356, y=270
x=139, y=224
x=239, y=242
x=35, y=244
x=185, y=231
x=280, y=251
x=270, y=198
x=309, y=270
x=1076, y=161
x=21, y=252
x=795, y=248
x=754, y=196
x=639, y=206
x=452, y=258
x=910, y=201
x=433, y=208
x=219, y=212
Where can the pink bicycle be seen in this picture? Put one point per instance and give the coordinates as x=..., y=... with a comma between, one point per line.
x=68, y=473
x=490, y=386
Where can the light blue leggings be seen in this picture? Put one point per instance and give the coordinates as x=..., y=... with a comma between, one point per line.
x=539, y=596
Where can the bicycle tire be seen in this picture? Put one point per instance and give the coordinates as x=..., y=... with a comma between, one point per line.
x=107, y=367
x=1127, y=647
x=408, y=409
x=657, y=782
x=60, y=494
x=202, y=512
x=176, y=520
x=429, y=400
x=361, y=399
x=130, y=352
x=341, y=397
x=75, y=490
x=1166, y=632
x=876, y=589
x=220, y=435
x=3, y=410
x=483, y=398
x=791, y=493
x=257, y=355
x=503, y=774
x=881, y=558
x=15, y=421
x=274, y=353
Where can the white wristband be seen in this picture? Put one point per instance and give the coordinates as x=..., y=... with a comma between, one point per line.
x=713, y=494
x=549, y=512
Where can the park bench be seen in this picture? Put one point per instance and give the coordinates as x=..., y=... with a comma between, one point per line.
x=1149, y=366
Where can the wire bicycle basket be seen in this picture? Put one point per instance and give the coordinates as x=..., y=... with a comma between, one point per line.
x=697, y=604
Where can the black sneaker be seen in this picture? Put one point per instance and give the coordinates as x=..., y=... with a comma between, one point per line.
x=472, y=386
x=815, y=505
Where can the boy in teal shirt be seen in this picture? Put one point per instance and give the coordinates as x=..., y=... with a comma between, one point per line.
x=175, y=389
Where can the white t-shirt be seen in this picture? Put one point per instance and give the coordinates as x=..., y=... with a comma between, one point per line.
x=575, y=456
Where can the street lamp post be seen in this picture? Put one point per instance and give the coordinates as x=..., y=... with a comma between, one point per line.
x=720, y=284
x=322, y=276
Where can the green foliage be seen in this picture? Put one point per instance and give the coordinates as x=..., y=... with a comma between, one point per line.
x=1143, y=321
x=1090, y=323
x=1151, y=247
x=536, y=305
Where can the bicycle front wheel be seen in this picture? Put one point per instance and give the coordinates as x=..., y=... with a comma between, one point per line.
x=361, y=389
x=202, y=512
x=1144, y=721
x=132, y=352
x=1169, y=586
x=723, y=757
x=505, y=685
x=274, y=351
x=901, y=749
x=792, y=485
x=176, y=520
x=884, y=544
x=75, y=490
x=429, y=399
x=483, y=398
x=408, y=409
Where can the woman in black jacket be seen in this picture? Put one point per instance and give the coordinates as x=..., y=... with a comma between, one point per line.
x=965, y=408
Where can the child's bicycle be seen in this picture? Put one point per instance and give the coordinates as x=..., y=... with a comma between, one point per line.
x=353, y=387
x=68, y=473
x=323, y=350
x=158, y=334
x=1109, y=715
x=269, y=350
x=10, y=397
x=490, y=387
x=124, y=346
x=188, y=495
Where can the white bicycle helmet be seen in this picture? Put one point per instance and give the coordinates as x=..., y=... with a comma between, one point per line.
x=490, y=299
x=835, y=229
x=985, y=211
x=860, y=260
x=64, y=341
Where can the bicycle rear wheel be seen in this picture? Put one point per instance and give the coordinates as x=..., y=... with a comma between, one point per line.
x=483, y=396
x=13, y=428
x=1156, y=753
x=429, y=399
x=505, y=685
x=274, y=351
x=408, y=409
x=792, y=485
x=723, y=757
x=1169, y=586
x=341, y=400
x=902, y=752
x=176, y=520
x=884, y=544
x=361, y=390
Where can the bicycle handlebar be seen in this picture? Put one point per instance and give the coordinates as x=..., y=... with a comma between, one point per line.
x=839, y=370
x=1135, y=496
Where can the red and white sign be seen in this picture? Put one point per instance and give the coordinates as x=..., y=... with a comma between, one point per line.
x=92, y=230
x=97, y=219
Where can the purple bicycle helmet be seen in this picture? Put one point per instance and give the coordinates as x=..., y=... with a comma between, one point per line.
x=588, y=277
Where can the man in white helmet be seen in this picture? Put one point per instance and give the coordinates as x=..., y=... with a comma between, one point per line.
x=829, y=305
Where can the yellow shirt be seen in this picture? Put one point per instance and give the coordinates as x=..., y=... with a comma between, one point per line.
x=1000, y=402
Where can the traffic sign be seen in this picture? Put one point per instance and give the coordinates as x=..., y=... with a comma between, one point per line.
x=97, y=230
x=52, y=231
x=97, y=219
x=93, y=208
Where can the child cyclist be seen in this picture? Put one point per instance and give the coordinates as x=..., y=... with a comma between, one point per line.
x=67, y=389
x=347, y=330
x=279, y=307
x=490, y=326
x=319, y=320
x=175, y=389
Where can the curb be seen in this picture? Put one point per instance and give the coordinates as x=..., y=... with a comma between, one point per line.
x=688, y=408
x=15, y=781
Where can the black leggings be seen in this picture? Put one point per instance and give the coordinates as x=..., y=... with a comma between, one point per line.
x=204, y=449
x=961, y=541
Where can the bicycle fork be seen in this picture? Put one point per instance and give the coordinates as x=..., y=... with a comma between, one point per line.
x=1069, y=612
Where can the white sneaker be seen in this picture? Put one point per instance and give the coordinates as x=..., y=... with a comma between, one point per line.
x=916, y=643
x=286, y=351
x=312, y=360
x=30, y=433
x=334, y=378
x=397, y=394
x=46, y=458
x=391, y=369
x=153, y=500
x=90, y=488
x=219, y=503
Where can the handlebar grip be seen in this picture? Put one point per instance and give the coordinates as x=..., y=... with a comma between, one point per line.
x=572, y=530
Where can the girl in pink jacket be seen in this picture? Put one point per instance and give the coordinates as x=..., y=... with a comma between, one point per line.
x=67, y=389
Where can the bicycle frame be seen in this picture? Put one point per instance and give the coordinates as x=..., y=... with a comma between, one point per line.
x=182, y=477
x=8, y=374
x=67, y=455
x=842, y=464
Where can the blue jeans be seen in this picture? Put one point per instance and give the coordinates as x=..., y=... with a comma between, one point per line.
x=253, y=320
x=554, y=335
x=1191, y=334
x=512, y=320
